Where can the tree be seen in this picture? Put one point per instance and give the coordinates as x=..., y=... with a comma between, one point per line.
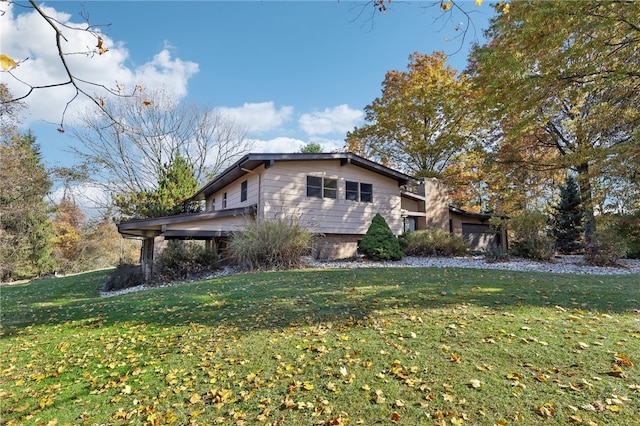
x=81, y=87
x=379, y=243
x=311, y=148
x=68, y=225
x=567, y=220
x=562, y=78
x=420, y=122
x=176, y=184
x=25, y=228
x=130, y=157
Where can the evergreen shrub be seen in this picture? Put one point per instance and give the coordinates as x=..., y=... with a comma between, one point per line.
x=379, y=243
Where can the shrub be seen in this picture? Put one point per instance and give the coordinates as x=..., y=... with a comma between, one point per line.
x=270, y=244
x=181, y=259
x=379, y=243
x=606, y=248
x=124, y=276
x=434, y=242
x=627, y=228
x=530, y=238
x=496, y=255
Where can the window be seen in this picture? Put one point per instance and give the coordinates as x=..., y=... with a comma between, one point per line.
x=224, y=200
x=319, y=187
x=356, y=191
x=243, y=191
x=352, y=191
x=212, y=206
x=366, y=193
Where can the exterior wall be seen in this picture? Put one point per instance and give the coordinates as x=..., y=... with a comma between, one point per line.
x=437, y=204
x=284, y=194
x=233, y=194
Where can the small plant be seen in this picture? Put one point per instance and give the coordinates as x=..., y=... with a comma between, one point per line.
x=530, y=238
x=181, y=259
x=496, y=255
x=124, y=276
x=434, y=242
x=379, y=243
x=605, y=249
x=276, y=244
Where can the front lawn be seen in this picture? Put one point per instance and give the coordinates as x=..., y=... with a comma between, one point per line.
x=408, y=346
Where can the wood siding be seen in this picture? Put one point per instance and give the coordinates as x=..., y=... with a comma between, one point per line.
x=284, y=194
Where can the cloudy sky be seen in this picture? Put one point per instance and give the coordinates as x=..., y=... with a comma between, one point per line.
x=290, y=72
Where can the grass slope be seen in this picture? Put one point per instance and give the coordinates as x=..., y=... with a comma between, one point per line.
x=407, y=346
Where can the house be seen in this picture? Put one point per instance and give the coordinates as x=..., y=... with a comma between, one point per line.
x=332, y=194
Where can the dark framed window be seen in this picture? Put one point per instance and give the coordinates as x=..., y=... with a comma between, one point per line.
x=357, y=191
x=319, y=187
x=243, y=191
x=213, y=204
x=352, y=191
x=366, y=193
x=314, y=186
x=224, y=200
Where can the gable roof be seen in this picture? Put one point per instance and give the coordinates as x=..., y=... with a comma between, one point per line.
x=250, y=162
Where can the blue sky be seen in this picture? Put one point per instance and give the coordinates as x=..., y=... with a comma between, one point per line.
x=292, y=72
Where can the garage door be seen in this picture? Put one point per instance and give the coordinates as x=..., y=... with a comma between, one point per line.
x=480, y=236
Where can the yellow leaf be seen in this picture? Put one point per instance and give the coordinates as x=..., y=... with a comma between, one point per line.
x=195, y=398
x=456, y=421
x=332, y=387
x=475, y=383
x=307, y=386
x=613, y=407
x=7, y=62
x=126, y=390
x=478, y=2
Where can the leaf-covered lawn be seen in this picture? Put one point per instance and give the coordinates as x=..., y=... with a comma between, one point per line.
x=369, y=346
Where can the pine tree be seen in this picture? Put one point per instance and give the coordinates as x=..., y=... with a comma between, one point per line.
x=379, y=243
x=25, y=228
x=568, y=218
x=176, y=184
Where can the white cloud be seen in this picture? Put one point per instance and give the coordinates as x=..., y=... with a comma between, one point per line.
x=339, y=119
x=258, y=117
x=27, y=37
x=279, y=145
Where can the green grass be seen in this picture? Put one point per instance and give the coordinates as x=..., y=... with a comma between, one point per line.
x=369, y=346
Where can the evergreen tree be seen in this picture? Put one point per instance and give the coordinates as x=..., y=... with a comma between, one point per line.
x=567, y=228
x=176, y=184
x=25, y=228
x=379, y=243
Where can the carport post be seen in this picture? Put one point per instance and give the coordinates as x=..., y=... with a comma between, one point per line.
x=146, y=257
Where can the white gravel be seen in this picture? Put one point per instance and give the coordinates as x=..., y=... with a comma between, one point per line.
x=559, y=265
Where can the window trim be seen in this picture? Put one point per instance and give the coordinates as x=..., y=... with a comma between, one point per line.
x=356, y=194
x=327, y=186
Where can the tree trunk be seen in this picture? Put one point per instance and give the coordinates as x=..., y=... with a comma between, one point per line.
x=587, y=203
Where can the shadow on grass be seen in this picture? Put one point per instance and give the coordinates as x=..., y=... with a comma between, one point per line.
x=278, y=300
